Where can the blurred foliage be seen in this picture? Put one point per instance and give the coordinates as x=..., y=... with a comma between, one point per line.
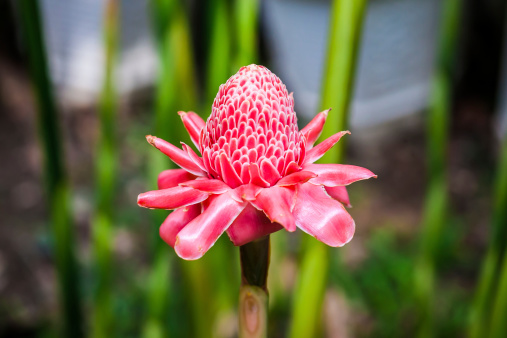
x=58, y=192
x=404, y=286
x=105, y=177
x=490, y=306
x=382, y=285
x=346, y=22
x=436, y=209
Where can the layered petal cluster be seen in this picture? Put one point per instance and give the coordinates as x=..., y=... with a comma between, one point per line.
x=256, y=174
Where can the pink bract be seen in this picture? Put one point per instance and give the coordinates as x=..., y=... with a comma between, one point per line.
x=256, y=174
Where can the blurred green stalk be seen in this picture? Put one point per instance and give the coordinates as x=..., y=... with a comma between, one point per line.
x=55, y=177
x=220, y=49
x=105, y=173
x=338, y=80
x=344, y=36
x=434, y=217
x=157, y=295
x=490, y=307
x=176, y=90
x=246, y=23
x=499, y=313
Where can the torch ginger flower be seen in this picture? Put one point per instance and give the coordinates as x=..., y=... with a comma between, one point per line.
x=256, y=174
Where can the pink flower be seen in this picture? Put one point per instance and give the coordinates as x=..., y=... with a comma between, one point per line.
x=256, y=174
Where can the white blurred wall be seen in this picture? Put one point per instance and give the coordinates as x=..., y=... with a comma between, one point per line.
x=396, y=55
x=74, y=29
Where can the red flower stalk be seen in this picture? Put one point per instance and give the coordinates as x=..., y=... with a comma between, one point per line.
x=256, y=174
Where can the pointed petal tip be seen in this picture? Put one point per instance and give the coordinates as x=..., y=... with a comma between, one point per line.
x=193, y=124
x=315, y=153
x=151, y=140
x=171, y=198
x=141, y=201
x=333, y=175
x=369, y=174
x=177, y=155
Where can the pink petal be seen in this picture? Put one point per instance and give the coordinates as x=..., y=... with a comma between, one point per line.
x=194, y=124
x=292, y=168
x=229, y=175
x=332, y=175
x=269, y=172
x=172, y=177
x=200, y=234
x=171, y=198
x=250, y=225
x=176, y=221
x=211, y=186
x=246, y=192
x=193, y=156
x=340, y=194
x=177, y=155
x=313, y=129
x=205, y=204
x=277, y=203
x=255, y=176
x=318, y=151
x=295, y=178
x=321, y=216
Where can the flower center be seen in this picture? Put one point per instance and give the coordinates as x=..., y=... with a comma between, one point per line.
x=252, y=133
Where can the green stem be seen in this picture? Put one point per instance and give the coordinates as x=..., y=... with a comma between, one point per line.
x=58, y=191
x=435, y=212
x=253, y=295
x=175, y=90
x=105, y=171
x=344, y=36
x=198, y=296
x=338, y=80
x=246, y=17
x=219, y=56
x=499, y=311
x=490, y=307
x=158, y=292
x=424, y=273
x=310, y=290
